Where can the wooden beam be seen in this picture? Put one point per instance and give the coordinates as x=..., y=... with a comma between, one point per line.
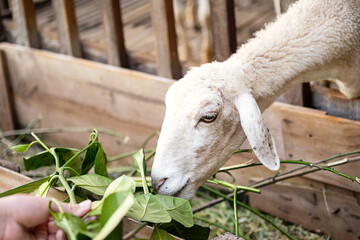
x=113, y=29
x=7, y=116
x=67, y=27
x=162, y=15
x=325, y=208
x=25, y=18
x=223, y=28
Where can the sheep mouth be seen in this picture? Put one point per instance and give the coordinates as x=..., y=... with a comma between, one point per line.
x=177, y=194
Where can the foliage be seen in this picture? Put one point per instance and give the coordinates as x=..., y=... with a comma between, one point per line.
x=118, y=196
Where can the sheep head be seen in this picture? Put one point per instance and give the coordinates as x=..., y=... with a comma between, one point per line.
x=207, y=118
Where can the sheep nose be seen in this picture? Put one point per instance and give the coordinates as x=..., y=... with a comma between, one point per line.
x=157, y=183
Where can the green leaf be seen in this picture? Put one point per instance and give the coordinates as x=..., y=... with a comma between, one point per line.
x=101, y=162
x=46, y=159
x=160, y=234
x=43, y=189
x=147, y=208
x=178, y=208
x=22, y=147
x=72, y=225
x=139, y=161
x=25, y=188
x=195, y=232
x=89, y=159
x=115, y=207
x=122, y=183
x=91, y=182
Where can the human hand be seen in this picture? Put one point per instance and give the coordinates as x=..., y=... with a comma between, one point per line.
x=28, y=217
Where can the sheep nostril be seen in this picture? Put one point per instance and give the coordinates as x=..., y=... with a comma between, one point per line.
x=157, y=184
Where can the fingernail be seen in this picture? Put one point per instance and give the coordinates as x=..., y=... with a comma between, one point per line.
x=85, y=204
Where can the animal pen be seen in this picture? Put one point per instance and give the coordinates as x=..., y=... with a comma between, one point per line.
x=86, y=77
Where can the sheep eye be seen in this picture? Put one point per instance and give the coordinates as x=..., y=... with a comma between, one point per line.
x=208, y=118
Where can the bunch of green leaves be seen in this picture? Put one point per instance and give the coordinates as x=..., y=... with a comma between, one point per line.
x=112, y=199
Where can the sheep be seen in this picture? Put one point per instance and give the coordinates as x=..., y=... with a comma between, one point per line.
x=185, y=14
x=215, y=107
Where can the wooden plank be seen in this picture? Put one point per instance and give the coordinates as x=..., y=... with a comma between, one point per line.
x=223, y=28
x=310, y=136
x=7, y=117
x=11, y=179
x=335, y=103
x=67, y=27
x=26, y=29
x=316, y=208
x=113, y=28
x=299, y=95
x=92, y=94
x=162, y=16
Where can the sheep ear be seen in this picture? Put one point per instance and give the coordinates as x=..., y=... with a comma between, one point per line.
x=257, y=132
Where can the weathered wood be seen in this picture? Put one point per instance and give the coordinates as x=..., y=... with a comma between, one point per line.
x=7, y=117
x=314, y=207
x=335, y=103
x=113, y=28
x=92, y=94
x=26, y=29
x=223, y=28
x=162, y=15
x=299, y=95
x=9, y=165
x=67, y=27
x=11, y=179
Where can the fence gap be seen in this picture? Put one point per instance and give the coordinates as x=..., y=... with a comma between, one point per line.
x=113, y=29
x=24, y=14
x=223, y=28
x=67, y=27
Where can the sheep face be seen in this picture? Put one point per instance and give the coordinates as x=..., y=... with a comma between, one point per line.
x=200, y=132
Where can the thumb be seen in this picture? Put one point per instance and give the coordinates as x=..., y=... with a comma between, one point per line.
x=78, y=209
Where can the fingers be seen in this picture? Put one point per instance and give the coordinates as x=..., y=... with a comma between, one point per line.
x=79, y=209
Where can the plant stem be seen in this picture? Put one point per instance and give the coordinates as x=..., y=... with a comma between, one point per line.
x=236, y=217
x=66, y=186
x=232, y=186
x=280, y=177
x=214, y=224
x=41, y=142
x=243, y=150
x=81, y=151
x=149, y=138
x=253, y=210
x=134, y=231
x=124, y=155
x=20, y=137
x=62, y=130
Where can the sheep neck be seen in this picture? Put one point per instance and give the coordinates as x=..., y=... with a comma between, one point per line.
x=312, y=41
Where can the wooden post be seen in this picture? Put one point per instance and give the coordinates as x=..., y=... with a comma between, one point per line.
x=25, y=18
x=223, y=28
x=7, y=113
x=113, y=29
x=168, y=63
x=300, y=94
x=67, y=27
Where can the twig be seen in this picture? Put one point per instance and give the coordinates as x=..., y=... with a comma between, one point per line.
x=281, y=177
x=124, y=155
x=20, y=137
x=149, y=138
x=134, y=231
x=63, y=130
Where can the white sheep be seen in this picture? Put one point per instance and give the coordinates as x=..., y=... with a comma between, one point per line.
x=211, y=111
